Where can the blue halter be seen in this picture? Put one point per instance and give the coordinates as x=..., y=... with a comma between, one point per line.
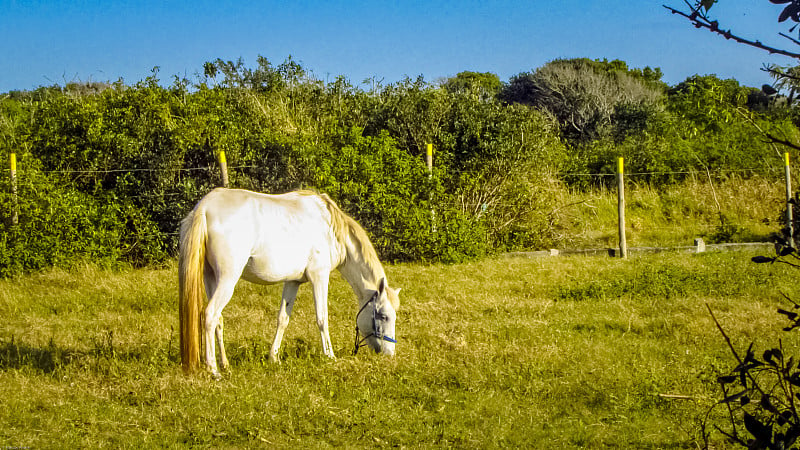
x=375, y=333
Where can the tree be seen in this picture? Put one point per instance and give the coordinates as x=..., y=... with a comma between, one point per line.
x=485, y=85
x=584, y=95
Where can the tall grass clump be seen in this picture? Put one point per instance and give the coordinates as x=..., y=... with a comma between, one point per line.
x=719, y=210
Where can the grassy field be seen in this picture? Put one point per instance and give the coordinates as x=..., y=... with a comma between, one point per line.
x=731, y=210
x=541, y=353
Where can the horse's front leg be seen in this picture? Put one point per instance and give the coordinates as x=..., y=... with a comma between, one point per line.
x=320, y=283
x=287, y=303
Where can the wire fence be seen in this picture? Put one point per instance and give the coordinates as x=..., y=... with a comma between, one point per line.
x=479, y=207
x=760, y=170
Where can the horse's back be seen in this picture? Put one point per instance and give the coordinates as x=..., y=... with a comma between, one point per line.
x=266, y=238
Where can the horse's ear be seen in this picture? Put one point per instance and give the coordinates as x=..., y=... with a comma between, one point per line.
x=382, y=285
x=394, y=298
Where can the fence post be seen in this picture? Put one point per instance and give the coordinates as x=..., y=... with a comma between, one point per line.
x=223, y=168
x=429, y=159
x=789, y=203
x=429, y=163
x=12, y=160
x=623, y=245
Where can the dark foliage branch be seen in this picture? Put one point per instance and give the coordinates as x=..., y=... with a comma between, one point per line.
x=701, y=20
x=760, y=392
x=776, y=140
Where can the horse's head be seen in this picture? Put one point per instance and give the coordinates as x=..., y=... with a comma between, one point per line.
x=376, y=318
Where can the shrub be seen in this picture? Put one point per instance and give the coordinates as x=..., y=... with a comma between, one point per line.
x=59, y=225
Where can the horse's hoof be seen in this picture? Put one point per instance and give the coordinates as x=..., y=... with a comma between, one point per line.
x=216, y=376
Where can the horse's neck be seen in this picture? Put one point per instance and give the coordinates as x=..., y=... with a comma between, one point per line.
x=362, y=278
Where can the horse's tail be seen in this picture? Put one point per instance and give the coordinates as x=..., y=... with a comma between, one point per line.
x=191, y=262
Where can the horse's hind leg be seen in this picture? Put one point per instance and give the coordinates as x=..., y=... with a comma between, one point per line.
x=210, y=280
x=211, y=287
x=223, y=359
x=287, y=303
x=213, y=319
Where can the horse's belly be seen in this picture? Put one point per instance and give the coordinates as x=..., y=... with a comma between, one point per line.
x=265, y=271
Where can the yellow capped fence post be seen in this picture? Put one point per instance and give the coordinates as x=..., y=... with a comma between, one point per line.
x=789, y=203
x=223, y=168
x=12, y=161
x=623, y=245
x=429, y=163
x=429, y=159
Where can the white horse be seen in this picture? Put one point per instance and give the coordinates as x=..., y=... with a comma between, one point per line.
x=291, y=238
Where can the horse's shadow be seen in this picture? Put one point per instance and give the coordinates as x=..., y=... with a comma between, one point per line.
x=52, y=357
x=19, y=355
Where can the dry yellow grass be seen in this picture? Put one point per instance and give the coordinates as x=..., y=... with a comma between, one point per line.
x=674, y=215
x=545, y=353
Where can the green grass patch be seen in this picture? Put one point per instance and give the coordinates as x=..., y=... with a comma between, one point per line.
x=730, y=210
x=545, y=353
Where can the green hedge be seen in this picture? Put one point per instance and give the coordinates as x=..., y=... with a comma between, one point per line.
x=107, y=171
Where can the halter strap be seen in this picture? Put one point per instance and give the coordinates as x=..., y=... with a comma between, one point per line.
x=362, y=342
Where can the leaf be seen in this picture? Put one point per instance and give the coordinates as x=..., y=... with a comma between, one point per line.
x=768, y=358
x=707, y=4
x=789, y=314
x=762, y=259
x=790, y=11
x=734, y=397
x=750, y=355
x=767, y=405
x=762, y=433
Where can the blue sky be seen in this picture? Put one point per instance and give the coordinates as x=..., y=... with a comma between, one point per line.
x=47, y=42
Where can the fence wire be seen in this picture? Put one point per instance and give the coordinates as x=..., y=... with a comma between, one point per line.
x=760, y=170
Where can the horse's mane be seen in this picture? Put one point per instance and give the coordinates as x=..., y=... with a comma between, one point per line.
x=346, y=228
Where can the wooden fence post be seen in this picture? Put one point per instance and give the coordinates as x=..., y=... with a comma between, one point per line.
x=223, y=168
x=12, y=160
x=429, y=159
x=429, y=163
x=623, y=245
x=789, y=203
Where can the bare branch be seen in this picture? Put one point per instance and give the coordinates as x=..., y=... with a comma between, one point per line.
x=777, y=140
x=701, y=21
x=795, y=41
x=724, y=335
x=780, y=74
